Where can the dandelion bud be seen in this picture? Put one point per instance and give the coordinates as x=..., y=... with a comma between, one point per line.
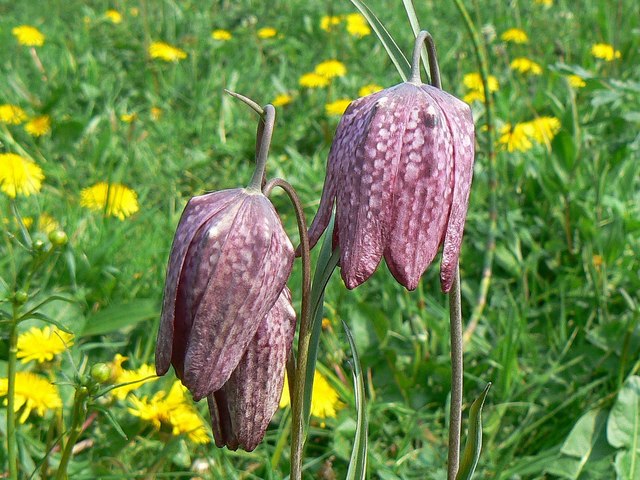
x=100, y=372
x=58, y=238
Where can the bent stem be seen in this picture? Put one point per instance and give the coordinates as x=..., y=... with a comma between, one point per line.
x=455, y=413
x=434, y=70
x=304, y=335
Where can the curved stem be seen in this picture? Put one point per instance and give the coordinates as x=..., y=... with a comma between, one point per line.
x=263, y=149
x=455, y=414
x=434, y=70
x=304, y=335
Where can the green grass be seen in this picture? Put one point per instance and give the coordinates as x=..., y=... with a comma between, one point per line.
x=559, y=334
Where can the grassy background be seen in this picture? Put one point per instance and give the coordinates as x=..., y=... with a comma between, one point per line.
x=559, y=334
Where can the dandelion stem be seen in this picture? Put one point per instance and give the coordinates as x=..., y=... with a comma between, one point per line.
x=78, y=417
x=12, y=453
x=455, y=413
x=304, y=336
x=434, y=71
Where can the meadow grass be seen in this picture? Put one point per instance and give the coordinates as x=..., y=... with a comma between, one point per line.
x=558, y=336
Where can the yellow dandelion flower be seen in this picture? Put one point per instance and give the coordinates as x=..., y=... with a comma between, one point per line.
x=330, y=69
x=313, y=80
x=515, y=35
x=26, y=221
x=32, y=393
x=326, y=324
x=12, y=114
x=47, y=224
x=325, y=401
x=525, y=65
x=281, y=100
x=19, y=176
x=338, y=107
x=267, y=32
x=597, y=260
x=128, y=117
x=473, y=82
x=474, y=96
x=148, y=410
x=222, y=35
x=357, y=25
x=115, y=200
x=516, y=138
x=113, y=16
x=166, y=52
x=369, y=89
x=43, y=344
x=543, y=129
x=156, y=113
x=576, y=81
x=605, y=52
x=328, y=22
x=28, y=36
x=116, y=366
x=546, y=3
x=38, y=126
x=146, y=373
x=185, y=420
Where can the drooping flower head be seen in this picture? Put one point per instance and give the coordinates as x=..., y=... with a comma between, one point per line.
x=399, y=172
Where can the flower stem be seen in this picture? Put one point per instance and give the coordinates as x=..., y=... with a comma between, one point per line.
x=77, y=419
x=434, y=71
x=12, y=453
x=264, y=138
x=304, y=335
x=455, y=412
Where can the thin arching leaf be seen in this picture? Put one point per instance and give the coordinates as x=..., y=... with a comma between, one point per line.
x=473, y=447
x=415, y=26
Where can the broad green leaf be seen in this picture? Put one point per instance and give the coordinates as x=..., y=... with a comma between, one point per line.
x=119, y=316
x=623, y=427
x=585, y=434
x=473, y=446
x=358, y=462
x=627, y=465
x=389, y=44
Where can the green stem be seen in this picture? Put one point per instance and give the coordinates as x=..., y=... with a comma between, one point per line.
x=483, y=62
x=455, y=412
x=264, y=134
x=12, y=452
x=78, y=417
x=434, y=71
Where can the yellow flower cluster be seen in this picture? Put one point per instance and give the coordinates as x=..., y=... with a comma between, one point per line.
x=475, y=88
x=521, y=136
x=221, y=35
x=12, y=114
x=173, y=410
x=114, y=199
x=132, y=378
x=325, y=401
x=19, y=175
x=525, y=65
x=32, y=393
x=369, y=89
x=42, y=344
x=281, y=100
x=166, y=52
x=323, y=73
x=605, y=52
x=267, y=32
x=28, y=36
x=356, y=24
x=38, y=126
x=338, y=107
x=113, y=16
x=515, y=35
x=576, y=81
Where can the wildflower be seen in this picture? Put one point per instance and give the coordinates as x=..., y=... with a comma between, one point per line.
x=267, y=32
x=134, y=379
x=12, y=114
x=47, y=224
x=116, y=366
x=166, y=52
x=330, y=69
x=313, y=80
x=543, y=129
x=605, y=52
x=357, y=25
x=516, y=138
x=221, y=35
x=524, y=65
x=38, y=126
x=156, y=113
x=229, y=341
x=19, y=176
x=338, y=107
x=515, y=35
x=399, y=171
x=113, y=16
x=32, y=393
x=325, y=401
x=369, y=89
x=576, y=81
x=597, y=261
x=43, y=344
x=128, y=117
x=473, y=82
x=281, y=100
x=114, y=199
x=28, y=36
x=546, y=3
x=328, y=22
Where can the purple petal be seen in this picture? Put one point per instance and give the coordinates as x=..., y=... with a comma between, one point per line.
x=223, y=433
x=254, y=388
x=460, y=121
x=198, y=211
x=253, y=267
x=422, y=191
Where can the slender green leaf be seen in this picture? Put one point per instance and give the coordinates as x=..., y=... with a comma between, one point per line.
x=119, y=316
x=358, y=462
x=389, y=44
x=45, y=318
x=112, y=420
x=415, y=26
x=473, y=447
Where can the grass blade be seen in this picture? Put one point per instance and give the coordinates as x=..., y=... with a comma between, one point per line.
x=415, y=26
x=358, y=462
x=473, y=447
